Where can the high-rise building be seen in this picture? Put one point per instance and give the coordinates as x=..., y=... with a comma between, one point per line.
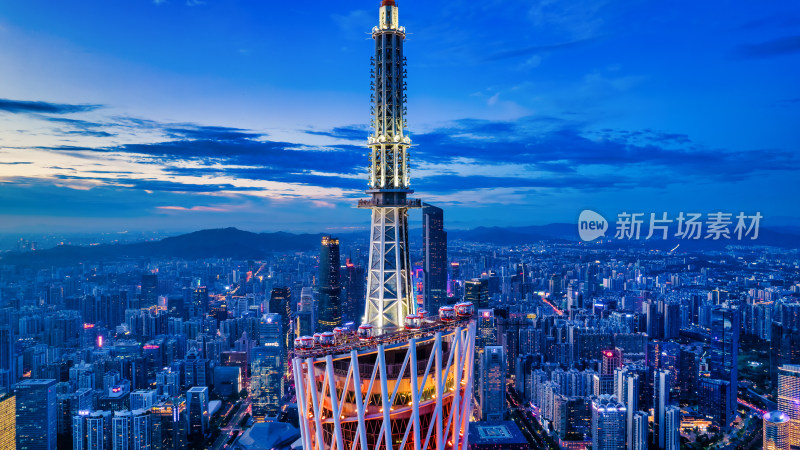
x=405, y=383
x=662, y=383
x=789, y=399
x=777, y=428
x=354, y=281
x=272, y=334
x=493, y=383
x=612, y=359
x=639, y=439
x=199, y=305
x=280, y=302
x=36, y=414
x=476, y=291
x=130, y=430
x=434, y=254
x=92, y=430
x=713, y=395
x=8, y=360
x=608, y=423
x=197, y=415
x=306, y=323
x=149, y=290
x=628, y=389
x=724, y=356
x=672, y=430
x=8, y=421
x=267, y=369
x=487, y=333
x=169, y=425
x=329, y=315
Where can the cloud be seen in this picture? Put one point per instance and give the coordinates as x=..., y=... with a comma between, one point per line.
x=193, y=208
x=515, y=157
x=536, y=50
x=29, y=107
x=775, y=47
x=350, y=133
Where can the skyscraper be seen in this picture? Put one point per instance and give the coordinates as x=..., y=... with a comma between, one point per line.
x=493, y=383
x=672, y=430
x=662, y=384
x=149, y=290
x=405, y=382
x=628, y=383
x=306, y=322
x=169, y=424
x=639, y=435
x=36, y=414
x=434, y=254
x=713, y=394
x=725, y=354
x=777, y=428
x=267, y=369
x=476, y=291
x=608, y=423
x=8, y=360
x=130, y=430
x=329, y=315
x=8, y=421
x=612, y=359
x=197, y=412
x=92, y=430
x=280, y=302
x=789, y=399
x=355, y=285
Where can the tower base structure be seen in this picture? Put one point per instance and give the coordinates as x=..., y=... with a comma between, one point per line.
x=408, y=390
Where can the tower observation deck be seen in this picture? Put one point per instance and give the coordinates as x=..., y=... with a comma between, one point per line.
x=403, y=380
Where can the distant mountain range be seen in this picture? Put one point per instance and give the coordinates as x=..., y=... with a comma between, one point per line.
x=239, y=244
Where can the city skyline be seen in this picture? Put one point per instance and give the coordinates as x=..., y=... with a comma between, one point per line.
x=168, y=114
x=600, y=334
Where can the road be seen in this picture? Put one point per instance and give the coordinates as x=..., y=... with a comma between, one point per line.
x=527, y=424
x=233, y=425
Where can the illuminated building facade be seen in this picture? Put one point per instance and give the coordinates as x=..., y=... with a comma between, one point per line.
x=329, y=311
x=608, y=423
x=8, y=422
x=36, y=414
x=266, y=383
x=434, y=253
x=493, y=383
x=776, y=431
x=789, y=399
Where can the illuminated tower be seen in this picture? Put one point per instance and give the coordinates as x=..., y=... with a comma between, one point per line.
x=403, y=380
x=389, y=294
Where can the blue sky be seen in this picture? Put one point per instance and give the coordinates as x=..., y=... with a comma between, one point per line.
x=180, y=115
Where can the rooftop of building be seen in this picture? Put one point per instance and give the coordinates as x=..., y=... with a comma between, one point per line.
x=268, y=436
x=495, y=432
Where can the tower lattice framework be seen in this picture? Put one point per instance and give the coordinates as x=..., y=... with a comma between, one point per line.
x=389, y=294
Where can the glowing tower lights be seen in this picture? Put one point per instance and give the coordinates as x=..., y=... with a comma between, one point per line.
x=403, y=379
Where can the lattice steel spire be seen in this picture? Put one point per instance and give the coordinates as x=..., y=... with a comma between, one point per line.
x=389, y=294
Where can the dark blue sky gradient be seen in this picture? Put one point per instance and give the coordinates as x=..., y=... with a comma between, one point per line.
x=179, y=115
